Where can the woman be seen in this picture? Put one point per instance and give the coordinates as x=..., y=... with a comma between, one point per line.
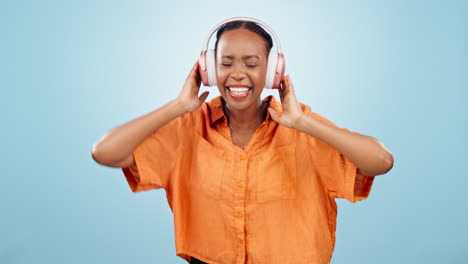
x=248, y=179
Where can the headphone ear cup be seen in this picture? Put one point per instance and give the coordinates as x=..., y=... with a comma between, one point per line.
x=271, y=69
x=279, y=73
x=211, y=67
x=202, y=69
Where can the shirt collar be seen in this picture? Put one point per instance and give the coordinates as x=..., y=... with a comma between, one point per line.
x=215, y=107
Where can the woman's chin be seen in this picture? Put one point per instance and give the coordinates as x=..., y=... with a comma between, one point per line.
x=235, y=104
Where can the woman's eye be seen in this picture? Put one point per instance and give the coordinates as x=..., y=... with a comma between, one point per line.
x=251, y=65
x=226, y=64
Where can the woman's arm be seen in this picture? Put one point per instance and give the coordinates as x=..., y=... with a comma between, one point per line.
x=367, y=153
x=115, y=148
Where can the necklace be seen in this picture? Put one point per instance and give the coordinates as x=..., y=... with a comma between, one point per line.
x=233, y=130
x=237, y=135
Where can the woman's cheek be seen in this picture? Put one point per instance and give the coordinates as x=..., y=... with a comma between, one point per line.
x=259, y=77
x=220, y=75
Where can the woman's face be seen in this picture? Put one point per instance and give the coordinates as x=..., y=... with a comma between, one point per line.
x=241, y=64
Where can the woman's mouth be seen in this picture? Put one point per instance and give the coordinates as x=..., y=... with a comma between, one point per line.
x=239, y=91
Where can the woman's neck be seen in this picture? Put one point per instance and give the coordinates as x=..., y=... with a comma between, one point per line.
x=247, y=119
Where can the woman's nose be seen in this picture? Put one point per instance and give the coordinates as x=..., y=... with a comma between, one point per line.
x=237, y=73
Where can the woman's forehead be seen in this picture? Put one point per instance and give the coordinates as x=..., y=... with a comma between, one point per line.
x=241, y=42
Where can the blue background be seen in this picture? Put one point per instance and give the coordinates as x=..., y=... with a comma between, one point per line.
x=73, y=70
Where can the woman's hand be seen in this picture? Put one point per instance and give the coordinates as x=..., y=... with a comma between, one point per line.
x=188, y=97
x=292, y=112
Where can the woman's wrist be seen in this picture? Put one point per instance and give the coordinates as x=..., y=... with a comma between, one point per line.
x=297, y=124
x=178, y=107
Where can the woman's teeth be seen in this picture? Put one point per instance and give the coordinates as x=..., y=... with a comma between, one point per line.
x=238, y=90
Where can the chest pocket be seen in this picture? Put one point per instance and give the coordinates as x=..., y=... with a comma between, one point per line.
x=276, y=175
x=207, y=168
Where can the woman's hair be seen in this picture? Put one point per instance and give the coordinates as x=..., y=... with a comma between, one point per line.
x=247, y=25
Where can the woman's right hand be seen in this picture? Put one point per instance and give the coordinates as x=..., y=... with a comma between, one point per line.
x=188, y=97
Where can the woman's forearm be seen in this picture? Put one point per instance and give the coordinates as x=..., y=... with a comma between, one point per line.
x=367, y=153
x=119, y=143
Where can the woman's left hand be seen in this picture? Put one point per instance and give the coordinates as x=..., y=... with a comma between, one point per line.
x=292, y=112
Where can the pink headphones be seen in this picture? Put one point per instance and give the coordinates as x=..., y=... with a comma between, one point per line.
x=276, y=63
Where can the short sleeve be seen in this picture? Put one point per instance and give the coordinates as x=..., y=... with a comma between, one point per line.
x=338, y=174
x=156, y=157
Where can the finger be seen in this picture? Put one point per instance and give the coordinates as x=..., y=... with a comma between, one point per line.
x=280, y=90
x=281, y=95
x=287, y=86
x=290, y=85
x=198, y=79
x=274, y=115
x=195, y=90
x=289, y=92
x=193, y=72
x=204, y=96
x=195, y=66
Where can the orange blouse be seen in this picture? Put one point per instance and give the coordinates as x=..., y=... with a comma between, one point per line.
x=270, y=203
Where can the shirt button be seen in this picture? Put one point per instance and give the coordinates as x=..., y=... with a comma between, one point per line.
x=240, y=185
x=239, y=215
x=243, y=157
x=241, y=241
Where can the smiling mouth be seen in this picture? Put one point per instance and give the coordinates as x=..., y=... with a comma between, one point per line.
x=239, y=90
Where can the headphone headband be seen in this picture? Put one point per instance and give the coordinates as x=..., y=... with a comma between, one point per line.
x=249, y=19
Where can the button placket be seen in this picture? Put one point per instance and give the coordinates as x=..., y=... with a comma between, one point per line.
x=240, y=203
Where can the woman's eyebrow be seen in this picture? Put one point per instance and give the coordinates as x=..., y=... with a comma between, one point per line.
x=244, y=57
x=250, y=56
